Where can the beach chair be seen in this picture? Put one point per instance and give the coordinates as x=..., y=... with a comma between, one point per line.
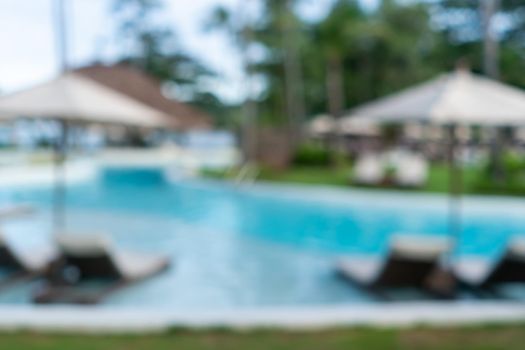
x=369, y=170
x=411, y=170
x=20, y=264
x=410, y=261
x=89, y=269
x=477, y=272
x=15, y=211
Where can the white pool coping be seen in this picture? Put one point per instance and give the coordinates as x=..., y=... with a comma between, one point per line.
x=44, y=175
x=386, y=315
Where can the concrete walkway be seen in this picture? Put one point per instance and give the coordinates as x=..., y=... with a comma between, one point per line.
x=113, y=320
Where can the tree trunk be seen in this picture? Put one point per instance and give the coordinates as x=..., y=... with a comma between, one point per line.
x=335, y=96
x=488, y=9
x=334, y=86
x=249, y=107
x=293, y=77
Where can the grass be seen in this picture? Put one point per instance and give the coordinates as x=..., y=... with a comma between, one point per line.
x=313, y=175
x=342, y=176
x=474, y=179
x=482, y=337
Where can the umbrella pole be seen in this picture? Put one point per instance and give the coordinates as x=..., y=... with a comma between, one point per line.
x=59, y=195
x=59, y=192
x=455, y=189
x=442, y=282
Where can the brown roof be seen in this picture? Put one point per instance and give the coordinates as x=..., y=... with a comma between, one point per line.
x=146, y=89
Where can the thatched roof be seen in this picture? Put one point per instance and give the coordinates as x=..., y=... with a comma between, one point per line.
x=138, y=85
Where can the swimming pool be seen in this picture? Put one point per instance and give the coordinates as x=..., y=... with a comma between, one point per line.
x=264, y=245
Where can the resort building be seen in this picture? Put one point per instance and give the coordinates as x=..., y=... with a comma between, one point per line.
x=144, y=88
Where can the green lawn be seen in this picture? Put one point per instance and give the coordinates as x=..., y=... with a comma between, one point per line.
x=485, y=338
x=474, y=180
x=339, y=176
x=342, y=175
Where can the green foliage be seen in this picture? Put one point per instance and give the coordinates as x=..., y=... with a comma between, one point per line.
x=514, y=162
x=461, y=27
x=347, y=57
x=309, y=175
x=311, y=154
x=513, y=182
x=373, y=53
x=152, y=46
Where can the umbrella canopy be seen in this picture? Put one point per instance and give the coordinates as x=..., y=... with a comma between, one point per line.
x=358, y=126
x=326, y=124
x=71, y=97
x=459, y=98
x=322, y=124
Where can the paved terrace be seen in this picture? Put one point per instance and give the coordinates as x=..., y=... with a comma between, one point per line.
x=112, y=320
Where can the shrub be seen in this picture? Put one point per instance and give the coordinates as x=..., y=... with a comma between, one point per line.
x=513, y=162
x=312, y=155
x=513, y=180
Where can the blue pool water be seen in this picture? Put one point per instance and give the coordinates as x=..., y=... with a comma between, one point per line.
x=257, y=246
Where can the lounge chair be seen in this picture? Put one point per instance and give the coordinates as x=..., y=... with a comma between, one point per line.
x=87, y=259
x=20, y=264
x=369, y=170
x=411, y=170
x=509, y=268
x=410, y=261
x=15, y=211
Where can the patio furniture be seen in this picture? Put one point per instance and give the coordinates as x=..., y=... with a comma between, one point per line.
x=478, y=272
x=409, y=262
x=20, y=264
x=411, y=170
x=89, y=269
x=369, y=170
x=15, y=211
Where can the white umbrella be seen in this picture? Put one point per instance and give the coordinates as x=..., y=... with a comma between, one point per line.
x=458, y=98
x=454, y=99
x=358, y=126
x=70, y=99
x=73, y=98
x=322, y=125
x=325, y=124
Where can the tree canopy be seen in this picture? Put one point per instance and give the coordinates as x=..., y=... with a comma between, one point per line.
x=151, y=44
x=348, y=56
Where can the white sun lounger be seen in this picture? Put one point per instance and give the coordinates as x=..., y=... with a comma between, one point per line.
x=86, y=258
x=31, y=261
x=369, y=170
x=15, y=211
x=21, y=263
x=411, y=170
x=410, y=261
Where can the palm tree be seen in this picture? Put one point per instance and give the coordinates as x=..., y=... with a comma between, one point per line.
x=239, y=29
x=489, y=9
x=336, y=34
x=293, y=76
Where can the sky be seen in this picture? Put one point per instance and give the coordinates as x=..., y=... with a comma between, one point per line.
x=29, y=53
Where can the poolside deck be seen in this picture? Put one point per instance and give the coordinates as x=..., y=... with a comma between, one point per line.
x=116, y=320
